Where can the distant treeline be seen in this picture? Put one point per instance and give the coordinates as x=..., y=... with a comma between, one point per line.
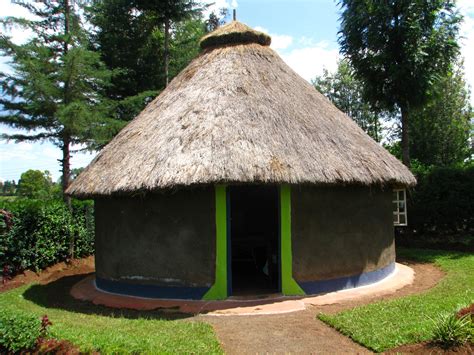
x=8, y=187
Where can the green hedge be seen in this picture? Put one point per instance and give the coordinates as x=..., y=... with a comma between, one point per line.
x=443, y=201
x=42, y=232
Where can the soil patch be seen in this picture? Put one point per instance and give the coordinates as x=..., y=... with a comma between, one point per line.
x=50, y=346
x=431, y=348
x=52, y=273
x=54, y=346
x=468, y=310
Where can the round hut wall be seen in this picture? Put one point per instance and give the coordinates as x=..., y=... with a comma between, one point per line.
x=177, y=245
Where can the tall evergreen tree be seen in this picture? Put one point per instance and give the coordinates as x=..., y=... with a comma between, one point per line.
x=399, y=49
x=130, y=43
x=55, y=91
x=130, y=37
x=168, y=12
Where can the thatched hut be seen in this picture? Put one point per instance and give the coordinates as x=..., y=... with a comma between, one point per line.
x=241, y=178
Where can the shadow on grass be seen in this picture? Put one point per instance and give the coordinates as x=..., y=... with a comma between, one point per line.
x=411, y=255
x=56, y=295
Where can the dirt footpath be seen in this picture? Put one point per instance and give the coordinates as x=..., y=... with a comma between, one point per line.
x=302, y=332
x=297, y=332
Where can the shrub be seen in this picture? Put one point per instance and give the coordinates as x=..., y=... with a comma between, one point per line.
x=18, y=331
x=42, y=231
x=442, y=200
x=450, y=331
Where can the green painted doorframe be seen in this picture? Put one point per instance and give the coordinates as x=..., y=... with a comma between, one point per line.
x=218, y=291
x=289, y=286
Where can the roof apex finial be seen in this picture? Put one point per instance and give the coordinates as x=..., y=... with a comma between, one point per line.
x=234, y=14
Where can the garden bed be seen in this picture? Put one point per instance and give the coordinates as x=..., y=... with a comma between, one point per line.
x=427, y=347
x=389, y=324
x=52, y=273
x=92, y=328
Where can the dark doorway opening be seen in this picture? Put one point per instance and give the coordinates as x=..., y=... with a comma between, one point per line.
x=254, y=240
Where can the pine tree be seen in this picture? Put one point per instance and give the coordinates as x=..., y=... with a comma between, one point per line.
x=130, y=36
x=55, y=91
x=167, y=12
x=130, y=45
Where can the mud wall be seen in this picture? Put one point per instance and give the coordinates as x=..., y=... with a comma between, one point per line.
x=340, y=231
x=163, y=239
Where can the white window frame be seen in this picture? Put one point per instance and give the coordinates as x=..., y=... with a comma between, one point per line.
x=396, y=212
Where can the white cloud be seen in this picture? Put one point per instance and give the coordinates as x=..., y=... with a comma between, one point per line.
x=310, y=61
x=278, y=41
x=306, y=41
x=22, y=151
x=16, y=158
x=466, y=6
x=281, y=41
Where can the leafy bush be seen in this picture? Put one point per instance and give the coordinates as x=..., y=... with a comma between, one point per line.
x=18, y=331
x=42, y=232
x=442, y=200
x=452, y=331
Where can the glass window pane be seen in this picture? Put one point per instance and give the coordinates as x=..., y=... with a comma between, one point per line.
x=402, y=219
x=395, y=218
x=401, y=206
x=395, y=207
x=401, y=195
x=395, y=195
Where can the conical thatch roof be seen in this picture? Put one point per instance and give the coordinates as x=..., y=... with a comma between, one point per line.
x=238, y=113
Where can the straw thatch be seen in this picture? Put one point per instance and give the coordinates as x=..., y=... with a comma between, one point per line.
x=234, y=33
x=238, y=113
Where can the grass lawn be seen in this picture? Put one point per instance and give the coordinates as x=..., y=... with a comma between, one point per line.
x=109, y=331
x=383, y=325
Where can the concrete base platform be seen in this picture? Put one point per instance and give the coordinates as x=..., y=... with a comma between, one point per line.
x=86, y=290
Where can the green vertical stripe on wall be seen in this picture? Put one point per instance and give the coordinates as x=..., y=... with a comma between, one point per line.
x=288, y=284
x=218, y=291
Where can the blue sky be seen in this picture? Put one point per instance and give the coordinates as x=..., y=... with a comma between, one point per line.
x=304, y=33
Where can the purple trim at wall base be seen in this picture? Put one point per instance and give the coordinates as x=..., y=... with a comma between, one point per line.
x=366, y=278
x=151, y=291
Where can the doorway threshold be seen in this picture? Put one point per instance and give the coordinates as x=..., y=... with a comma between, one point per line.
x=255, y=297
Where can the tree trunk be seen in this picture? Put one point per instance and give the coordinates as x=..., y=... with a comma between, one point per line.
x=66, y=161
x=66, y=139
x=66, y=165
x=405, y=137
x=376, y=129
x=167, y=50
x=66, y=24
